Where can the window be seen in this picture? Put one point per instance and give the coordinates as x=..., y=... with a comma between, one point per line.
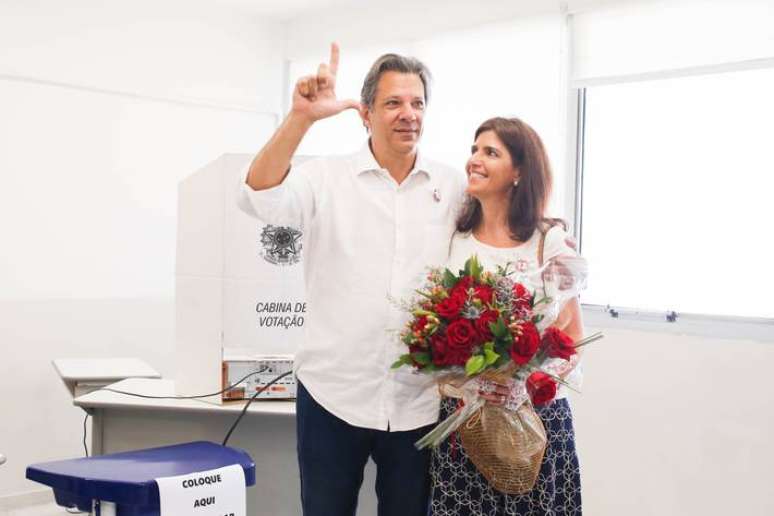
x=678, y=194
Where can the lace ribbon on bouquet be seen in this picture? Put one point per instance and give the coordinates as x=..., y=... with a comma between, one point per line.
x=505, y=442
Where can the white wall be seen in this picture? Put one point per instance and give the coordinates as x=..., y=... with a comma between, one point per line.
x=675, y=425
x=504, y=60
x=104, y=107
x=387, y=23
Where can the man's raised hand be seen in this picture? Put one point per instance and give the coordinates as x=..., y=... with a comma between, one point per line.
x=314, y=96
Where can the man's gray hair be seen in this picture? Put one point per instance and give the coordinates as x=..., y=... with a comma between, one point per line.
x=393, y=63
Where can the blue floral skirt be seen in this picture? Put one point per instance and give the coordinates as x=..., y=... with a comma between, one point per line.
x=458, y=489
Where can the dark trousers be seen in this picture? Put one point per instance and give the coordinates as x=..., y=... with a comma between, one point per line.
x=331, y=457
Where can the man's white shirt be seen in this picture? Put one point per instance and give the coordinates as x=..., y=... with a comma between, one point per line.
x=368, y=243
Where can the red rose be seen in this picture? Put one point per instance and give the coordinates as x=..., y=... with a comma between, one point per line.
x=462, y=286
x=525, y=345
x=451, y=306
x=541, y=388
x=482, y=324
x=461, y=295
x=461, y=334
x=439, y=347
x=484, y=292
x=447, y=353
x=457, y=357
x=558, y=344
x=521, y=297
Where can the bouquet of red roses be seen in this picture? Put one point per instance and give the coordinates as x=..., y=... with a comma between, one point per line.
x=478, y=327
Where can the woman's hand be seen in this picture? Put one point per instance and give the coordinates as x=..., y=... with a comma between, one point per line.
x=493, y=392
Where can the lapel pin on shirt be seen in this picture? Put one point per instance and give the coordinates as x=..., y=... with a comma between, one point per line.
x=436, y=195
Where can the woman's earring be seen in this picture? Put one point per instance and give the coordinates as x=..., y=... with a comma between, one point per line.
x=515, y=182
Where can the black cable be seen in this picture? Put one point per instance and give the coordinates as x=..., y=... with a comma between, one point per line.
x=184, y=397
x=85, y=448
x=244, y=410
x=233, y=426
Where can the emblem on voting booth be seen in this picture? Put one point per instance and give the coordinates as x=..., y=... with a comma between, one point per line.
x=281, y=245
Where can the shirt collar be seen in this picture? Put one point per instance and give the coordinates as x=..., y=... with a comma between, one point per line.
x=366, y=162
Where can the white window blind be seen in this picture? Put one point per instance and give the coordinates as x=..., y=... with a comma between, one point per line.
x=631, y=38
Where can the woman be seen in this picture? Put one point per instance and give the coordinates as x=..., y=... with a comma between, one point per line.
x=509, y=182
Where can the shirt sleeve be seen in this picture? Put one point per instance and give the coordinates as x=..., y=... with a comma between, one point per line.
x=556, y=245
x=291, y=203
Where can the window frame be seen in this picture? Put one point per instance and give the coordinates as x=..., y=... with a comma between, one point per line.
x=633, y=318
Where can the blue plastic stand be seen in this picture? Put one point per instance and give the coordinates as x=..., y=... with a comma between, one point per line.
x=128, y=479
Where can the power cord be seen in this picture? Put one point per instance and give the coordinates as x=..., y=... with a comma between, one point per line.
x=184, y=397
x=244, y=410
x=85, y=448
x=233, y=426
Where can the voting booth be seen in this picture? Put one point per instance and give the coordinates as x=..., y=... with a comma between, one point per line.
x=240, y=301
x=239, y=282
x=190, y=478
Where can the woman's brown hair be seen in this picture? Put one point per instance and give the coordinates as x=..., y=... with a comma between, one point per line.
x=527, y=201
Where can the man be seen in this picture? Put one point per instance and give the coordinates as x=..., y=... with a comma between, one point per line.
x=372, y=222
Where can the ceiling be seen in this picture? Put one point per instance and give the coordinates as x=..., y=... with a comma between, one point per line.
x=288, y=9
x=285, y=10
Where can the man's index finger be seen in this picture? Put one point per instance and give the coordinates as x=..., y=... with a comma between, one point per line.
x=334, y=63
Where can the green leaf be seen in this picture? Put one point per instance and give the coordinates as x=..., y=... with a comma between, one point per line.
x=502, y=360
x=588, y=340
x=403, y=360
x=502, y=346
x=540, y=301
x=449, y=279
x=466, y=268
x=474, y=364
x=490, y=357
x=489, y=345
x=473, y=268
x=477, y=270
x=499, y=329
x=421, y=357
x=537, y=318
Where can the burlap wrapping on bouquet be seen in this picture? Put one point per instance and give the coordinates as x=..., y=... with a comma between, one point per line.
x=506, y=447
